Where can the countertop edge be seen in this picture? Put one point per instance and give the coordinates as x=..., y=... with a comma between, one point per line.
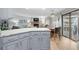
x=20, y=31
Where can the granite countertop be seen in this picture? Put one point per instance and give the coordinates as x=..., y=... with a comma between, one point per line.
x=17, y=31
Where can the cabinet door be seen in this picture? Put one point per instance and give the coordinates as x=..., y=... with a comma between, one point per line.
x=25, y=43
x=12, y=46
x=9, y=39
x=35, y=43
x=45, y=43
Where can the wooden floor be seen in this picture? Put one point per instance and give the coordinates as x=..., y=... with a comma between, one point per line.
x=62, y=44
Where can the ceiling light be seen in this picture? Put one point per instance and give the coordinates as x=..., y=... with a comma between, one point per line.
x=43, y=8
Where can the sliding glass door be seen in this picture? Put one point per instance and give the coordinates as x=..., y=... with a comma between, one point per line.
x=70, y=25
x=66, y=27
x=74, y=25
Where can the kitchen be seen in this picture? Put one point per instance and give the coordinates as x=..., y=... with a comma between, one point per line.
x=30, y=28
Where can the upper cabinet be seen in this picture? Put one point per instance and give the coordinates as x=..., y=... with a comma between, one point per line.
x=6, y=13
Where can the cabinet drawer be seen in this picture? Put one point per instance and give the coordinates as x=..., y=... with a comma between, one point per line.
x=12, y=46
x=9, y=39
x=35, y=33
x=23, y=35
x=45, y=33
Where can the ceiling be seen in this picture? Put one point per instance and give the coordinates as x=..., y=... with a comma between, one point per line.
x=38, y=11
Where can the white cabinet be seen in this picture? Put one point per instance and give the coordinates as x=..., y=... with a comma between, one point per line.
x=6, y=13
x=26, y=41
x=45, y=43
x=15, y=42
x=35, y=43
x=45, y=40
x=12, y=46
x=21, y=44
x=10, y=38
x=40, y=41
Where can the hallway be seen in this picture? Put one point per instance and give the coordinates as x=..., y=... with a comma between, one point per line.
x=62, y=44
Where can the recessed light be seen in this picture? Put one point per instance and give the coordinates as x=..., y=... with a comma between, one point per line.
x=26, y=8
x=43, y=8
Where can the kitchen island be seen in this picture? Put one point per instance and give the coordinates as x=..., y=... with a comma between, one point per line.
x=25, y=39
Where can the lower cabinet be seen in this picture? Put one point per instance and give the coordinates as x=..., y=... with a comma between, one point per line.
x=12, y=46
x=45, y=43
x=40, y=42
x=22, y=44
x=25, y=43
x=37, y=41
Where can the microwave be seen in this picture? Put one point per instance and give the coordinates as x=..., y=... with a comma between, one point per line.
x=36, y=19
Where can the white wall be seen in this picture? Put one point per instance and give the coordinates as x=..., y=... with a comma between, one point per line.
x=52, y=21
x=6, y=13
